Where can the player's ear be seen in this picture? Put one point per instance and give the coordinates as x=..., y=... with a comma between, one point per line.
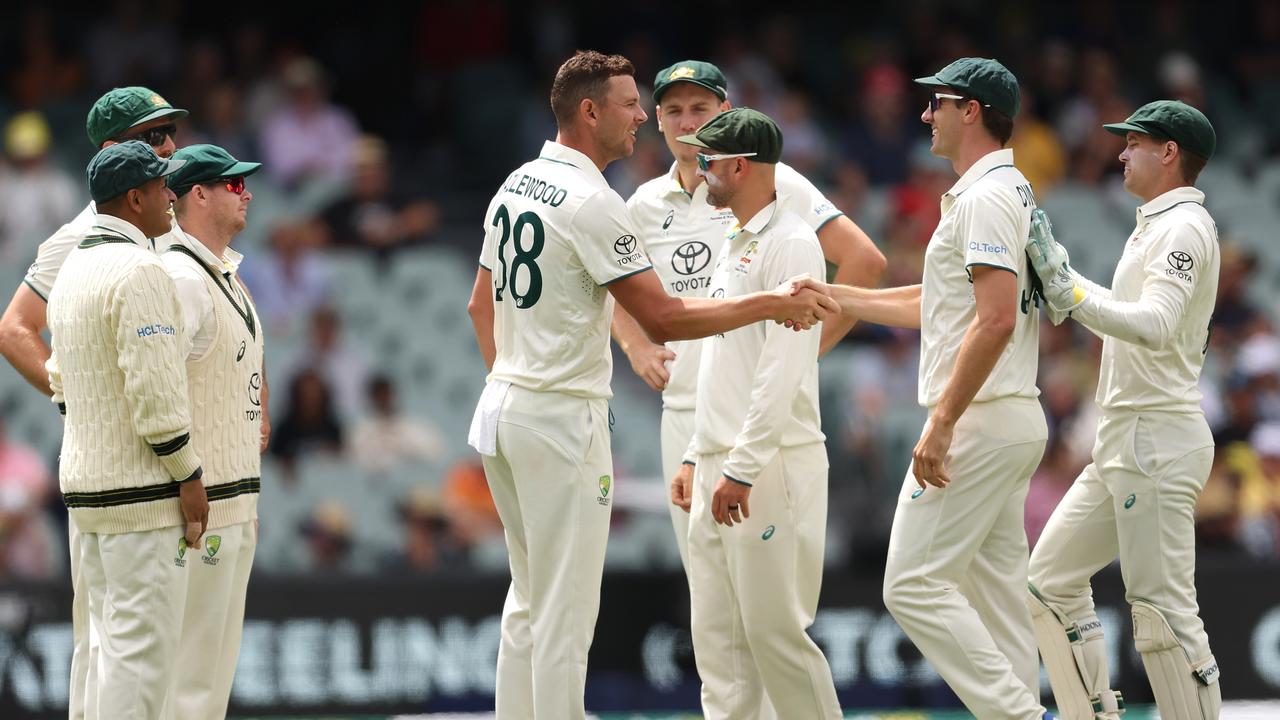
x=587, y=110
x=657, y=114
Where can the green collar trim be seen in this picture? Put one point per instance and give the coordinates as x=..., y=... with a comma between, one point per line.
x=245, y=313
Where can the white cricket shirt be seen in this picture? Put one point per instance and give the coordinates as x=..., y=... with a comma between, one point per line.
x=53, y=252
x=986, y=217
x=683, y=234
x=758, y=385
x=554, y=236
x=1156, y=321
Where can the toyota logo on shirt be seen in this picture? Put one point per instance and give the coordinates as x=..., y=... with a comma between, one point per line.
x=625, y=245
x=690, y=258
x=1179, y=260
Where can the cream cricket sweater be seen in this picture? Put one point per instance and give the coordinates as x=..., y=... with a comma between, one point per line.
x=224, y=371
x=118, y=373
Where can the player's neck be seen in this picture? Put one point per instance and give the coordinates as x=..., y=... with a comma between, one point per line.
x=969, y=153
x=583, y=143
x=206, y=235
x=1167, y=184
x=748, y=202
x=687, y=174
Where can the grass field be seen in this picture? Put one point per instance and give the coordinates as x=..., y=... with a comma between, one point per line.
x=1238, y=710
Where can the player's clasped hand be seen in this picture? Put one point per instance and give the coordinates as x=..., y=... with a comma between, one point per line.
x=682, y=487
x=195, y=510
x=649, y=361
x=803, y=307
x=729, y=502
x=929, y=459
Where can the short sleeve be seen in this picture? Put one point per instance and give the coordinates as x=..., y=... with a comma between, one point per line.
x=990, y=229
x=53, y=253
x=605, y=239
x=491, y=222
x=194, y=304
x=803, y=198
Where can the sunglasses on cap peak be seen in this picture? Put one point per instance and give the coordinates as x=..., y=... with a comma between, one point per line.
x=704, y=161
x=936, y=101
x=153, y=136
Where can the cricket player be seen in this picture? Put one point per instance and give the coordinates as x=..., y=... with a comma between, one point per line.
x=129, y=473
x=130, y=113
x=558, y=243
x=222, y=343
x=1152, y=456
x=958, y=546
x=682, y=234
x=759, y=496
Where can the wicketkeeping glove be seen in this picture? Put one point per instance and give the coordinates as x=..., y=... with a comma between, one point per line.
x=1052, y=265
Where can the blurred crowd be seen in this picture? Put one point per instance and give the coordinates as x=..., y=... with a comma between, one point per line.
x=387, y=133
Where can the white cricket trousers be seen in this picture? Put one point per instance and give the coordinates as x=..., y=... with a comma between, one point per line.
x=213, y=622
x=677, y=430
x=1137, y=500
x=552, y=481
x=754, y=589
x=85, y=642
x=957, y=558
x=137, y=591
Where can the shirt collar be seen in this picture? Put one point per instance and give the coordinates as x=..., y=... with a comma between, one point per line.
x=757, y=224
x=229, y=263
x=555, y=152
x=985, y=164
x=116, y=226
x=1167, y=200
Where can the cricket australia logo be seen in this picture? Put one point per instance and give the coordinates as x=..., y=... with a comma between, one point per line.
x=211, y=545
x=179, y=559
x=606, y=484
x=691, y=257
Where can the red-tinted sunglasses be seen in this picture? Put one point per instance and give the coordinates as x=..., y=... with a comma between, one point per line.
x=235, y=184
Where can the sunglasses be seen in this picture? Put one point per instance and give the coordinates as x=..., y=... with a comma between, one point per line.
x=154, y=136
x=234, y=184
x=936, y=101
x=704, y=161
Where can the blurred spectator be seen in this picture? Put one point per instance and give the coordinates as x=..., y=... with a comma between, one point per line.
x=914, y=212
x=1037, y=151
x=328, y=535
x=36, y=196
x=1260, y=496
x=308, y=137
x=294, y=279
x=309, y=425
x=880, y=141
x=221, y=120
x=1259, y=363
x=1234, y=315
x=428, y=546
x=1218, y=509
x=329, y=353
x=1049, y=484
x=805, y=147
x=473, y=518
x=42, y=74
x=1093, y=149
x=134, y=45
x=27, y=542
x=374, y=214
x=387, y=437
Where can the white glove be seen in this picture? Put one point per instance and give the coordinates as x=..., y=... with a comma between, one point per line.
x=1052, y=265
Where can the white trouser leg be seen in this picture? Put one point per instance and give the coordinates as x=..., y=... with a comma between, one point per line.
x=80, y=660
x=137, y=586
x=677, y=429
x=769, y=568
x=552, y=483
x=213, y=622
x=937, y=535
x=1078, y=541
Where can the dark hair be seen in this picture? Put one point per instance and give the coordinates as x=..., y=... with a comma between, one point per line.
x=581, y=77
x=997, y=124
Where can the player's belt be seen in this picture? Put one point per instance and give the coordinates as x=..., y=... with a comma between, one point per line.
x=151, y=493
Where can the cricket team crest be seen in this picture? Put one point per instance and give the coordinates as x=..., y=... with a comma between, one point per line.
x=179, y=559
x=212, y=544
x=606, y=484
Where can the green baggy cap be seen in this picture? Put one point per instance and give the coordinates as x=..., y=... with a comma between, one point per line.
x=206, y=163
x=691, y=71
x=740, y=130
x=123, y=108
x=982, y=79
x=1174, y=120
x=115, y=170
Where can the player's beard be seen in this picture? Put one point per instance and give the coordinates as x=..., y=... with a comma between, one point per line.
x=718, y=193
